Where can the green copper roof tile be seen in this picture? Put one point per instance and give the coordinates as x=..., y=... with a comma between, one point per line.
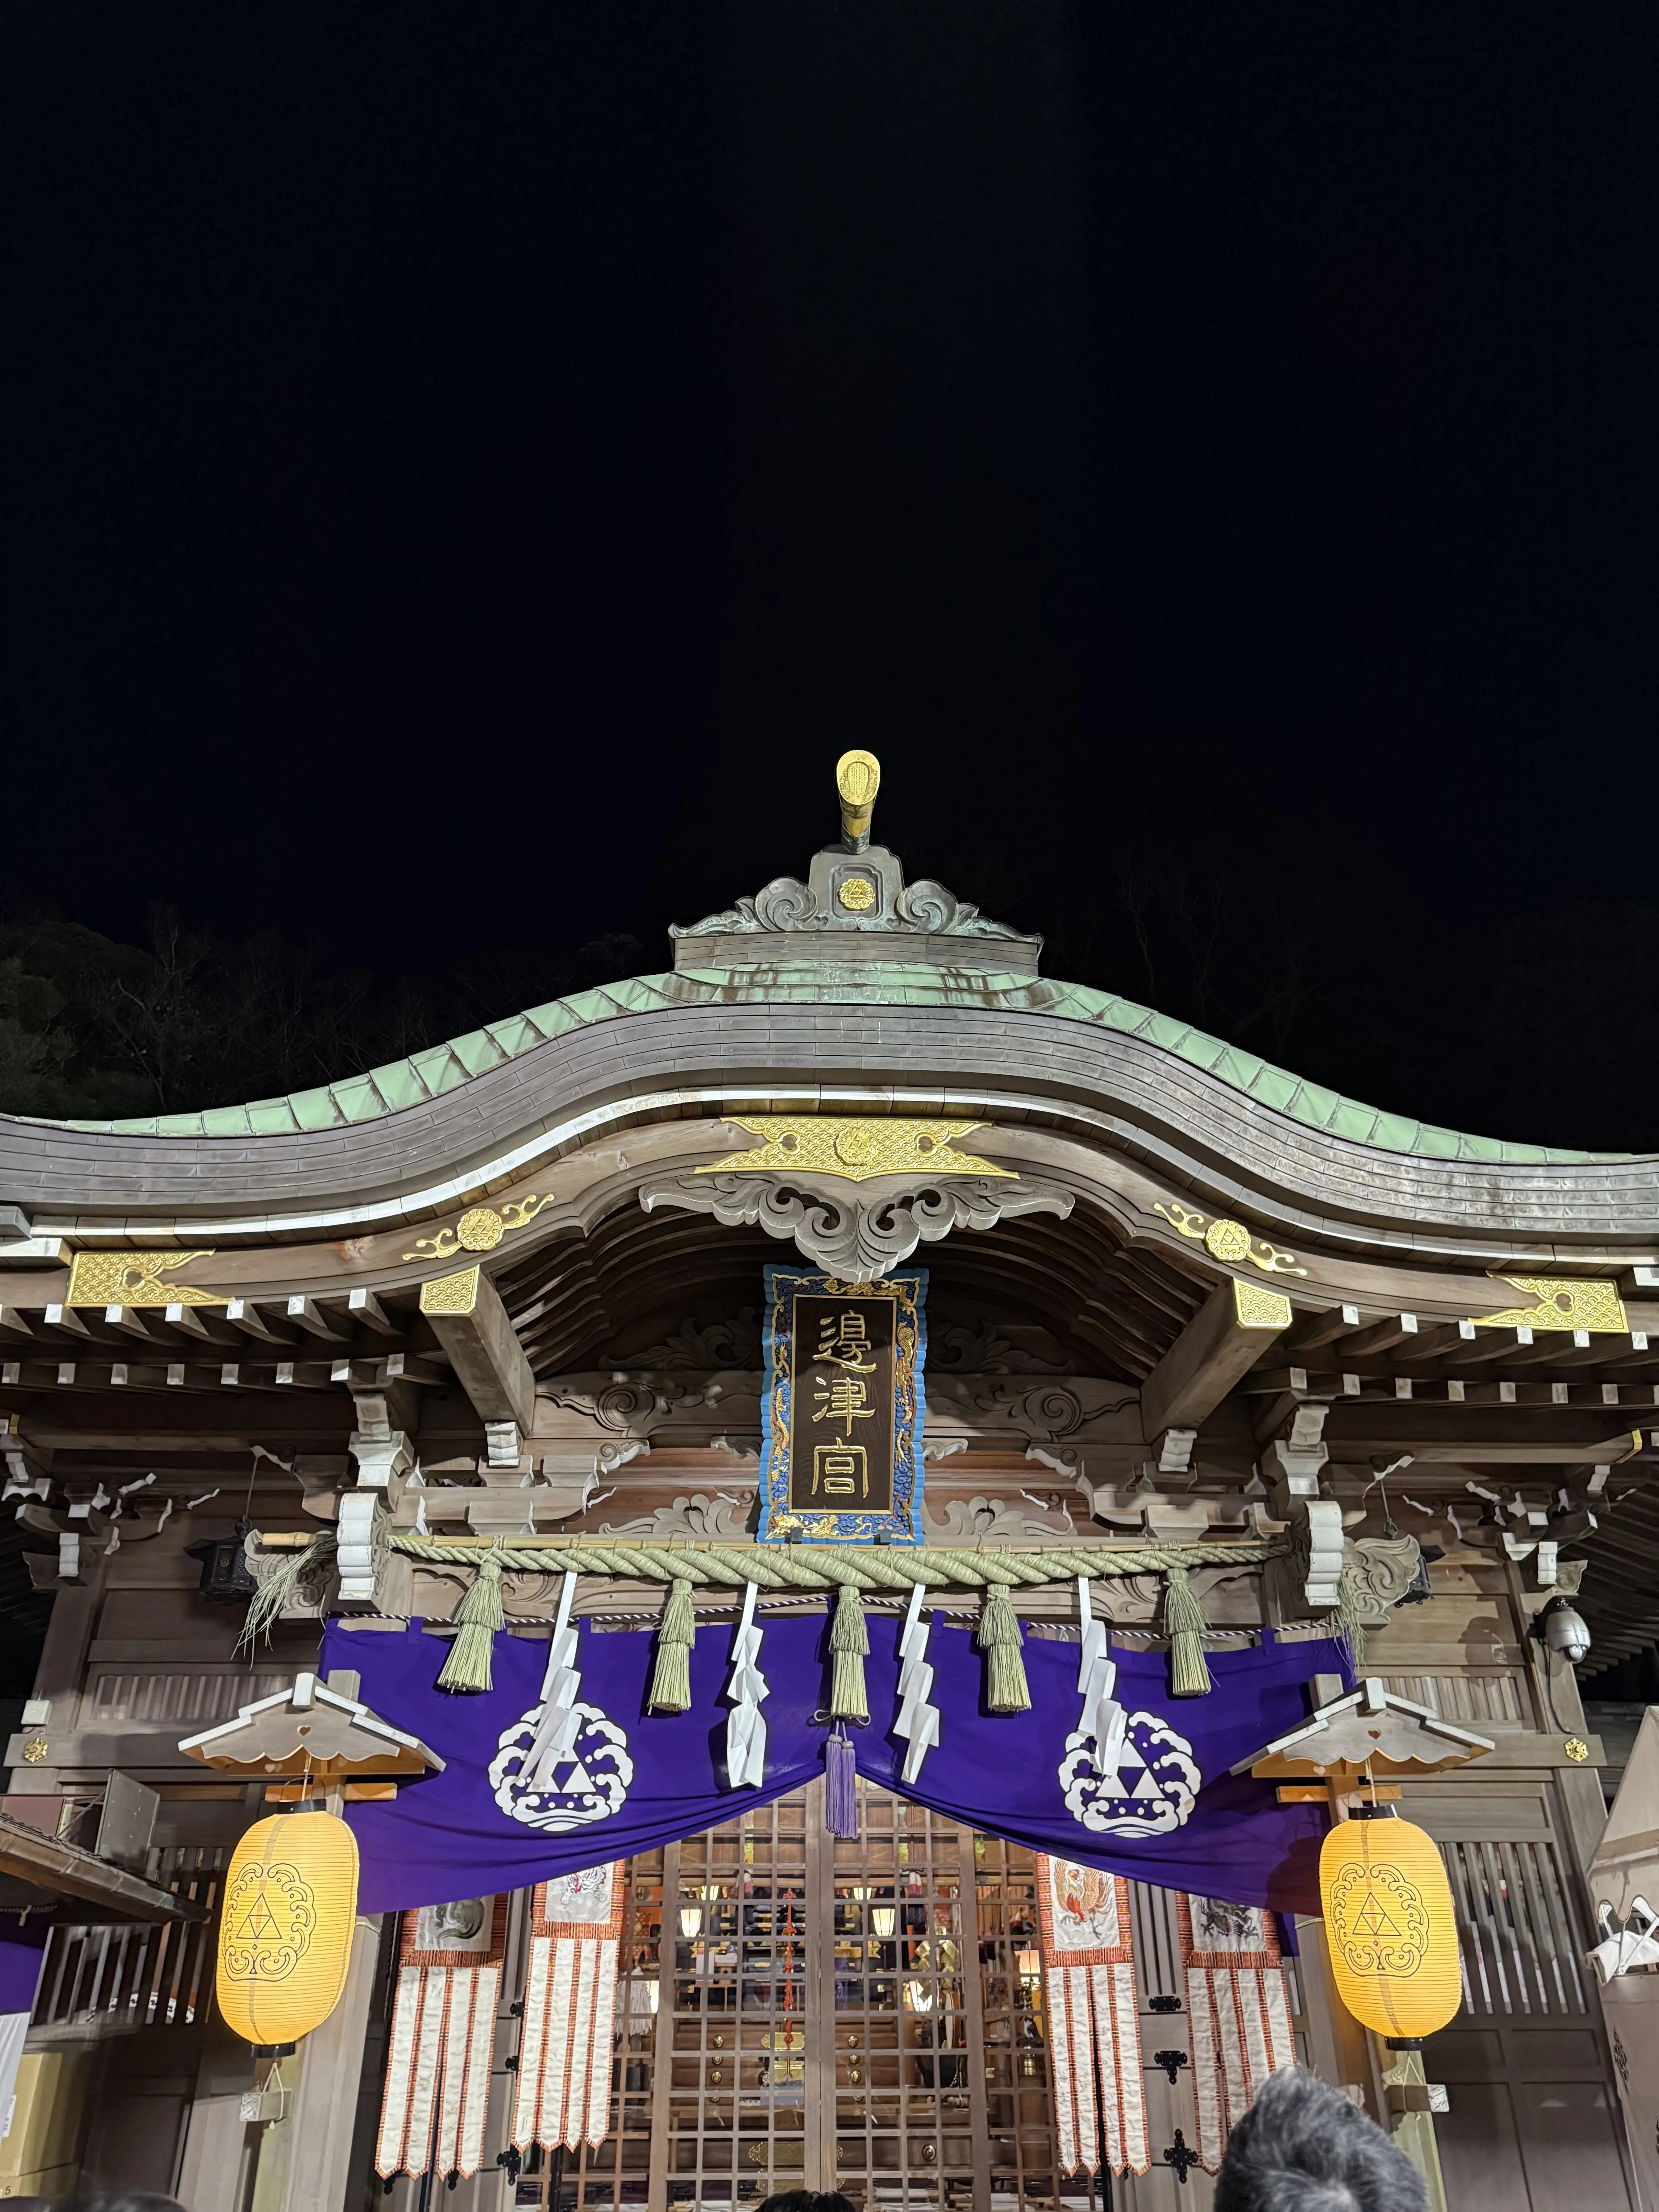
x=1314, y=1105
x=477, y=1052
x=1202, y=1051
x=272, y=1117
x=358, y=1100
x=1274, y=1088
x=1394, y=1132
x=513, y=1037
x=162, y=1125
x=439, y=1069
x=1486, y=1149
x=1434, y=1144
x=1159, y=1028
x=1241, y=1069
x=225, y=1121
x=1525, y=1155
x=398, y=1084
x=1353, y=1121
x=314, y=1109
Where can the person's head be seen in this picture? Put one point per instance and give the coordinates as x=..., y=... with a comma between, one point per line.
x=1304, y=2147
x=809, y=2200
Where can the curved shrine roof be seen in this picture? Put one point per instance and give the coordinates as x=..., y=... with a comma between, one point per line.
x=852, y=991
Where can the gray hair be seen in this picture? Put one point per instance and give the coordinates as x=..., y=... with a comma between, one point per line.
x=1304, y=2147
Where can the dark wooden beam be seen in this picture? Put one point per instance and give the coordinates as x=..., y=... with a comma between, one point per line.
x=471, y=1324
x=1214, y=1349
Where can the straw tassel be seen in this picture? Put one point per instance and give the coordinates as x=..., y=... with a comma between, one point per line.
x=671, y=1683
x=1005, y=1688
x=849, y=1645
x=1183, y=1623
x=478, y=1616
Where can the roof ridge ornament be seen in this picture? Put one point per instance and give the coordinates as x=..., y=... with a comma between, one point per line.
x=858, y=779
x=856, y=891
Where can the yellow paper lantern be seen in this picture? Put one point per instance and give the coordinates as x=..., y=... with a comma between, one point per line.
x=285, y=1939
x=1389, y=1922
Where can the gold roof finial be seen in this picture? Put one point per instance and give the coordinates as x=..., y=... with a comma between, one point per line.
x=858, y=779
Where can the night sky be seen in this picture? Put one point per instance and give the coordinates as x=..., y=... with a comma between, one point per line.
x=471, y=471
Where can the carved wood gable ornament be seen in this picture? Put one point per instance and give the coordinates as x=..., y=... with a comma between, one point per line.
x=789, y=1183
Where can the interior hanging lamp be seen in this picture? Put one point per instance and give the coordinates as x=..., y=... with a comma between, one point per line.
x=1391, y=1928
x=285, y=1937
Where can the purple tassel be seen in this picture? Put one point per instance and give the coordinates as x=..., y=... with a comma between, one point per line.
x=841, y=1804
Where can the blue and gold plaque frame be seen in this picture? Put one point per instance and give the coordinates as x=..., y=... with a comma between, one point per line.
x=841, y=1451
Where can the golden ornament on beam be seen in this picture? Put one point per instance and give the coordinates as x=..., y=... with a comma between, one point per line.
x=290, y=1904
x=856, y=1147
x=1229, y=1241
x=480, y=1228
x=1561, y=1302
x=1391, y=1928
x=135, y=1279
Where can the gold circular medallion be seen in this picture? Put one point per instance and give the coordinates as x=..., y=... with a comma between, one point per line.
x=854, y=1146
x=480, y=1230
x=1576, y=1749
x=857, y=894
x=1227, y=1240
x=36, y=1751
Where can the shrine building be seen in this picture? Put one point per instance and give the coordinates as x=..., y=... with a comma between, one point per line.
x=839, y=1522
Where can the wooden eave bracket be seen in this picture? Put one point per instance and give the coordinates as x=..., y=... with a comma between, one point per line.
x=312, y=1729
x=1370, y=1729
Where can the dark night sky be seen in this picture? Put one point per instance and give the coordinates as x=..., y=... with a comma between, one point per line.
x=472, y=468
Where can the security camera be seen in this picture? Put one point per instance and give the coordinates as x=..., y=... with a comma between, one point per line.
x=1563, y=1628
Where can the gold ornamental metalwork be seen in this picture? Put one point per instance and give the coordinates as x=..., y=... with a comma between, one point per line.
x=1561, y=1302
x=134, y=1278
x=1230, y=1241
x=480, y=1228
x=1576, y=1749
x=857, y=894
x=855, y=1147
x=858, y=779
x=451, y=1294
x=1254, y=1308
x=35, y=1750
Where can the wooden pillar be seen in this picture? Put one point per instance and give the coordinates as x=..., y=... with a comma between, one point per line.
x=1413, y=2129
x=306, y=2157
x=1338, y=2050
x=58, y=1677
x=213, y=2176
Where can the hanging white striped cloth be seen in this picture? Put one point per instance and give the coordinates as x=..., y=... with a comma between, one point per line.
x=443, y=2036
x=1088, y=1957
x=563, y=2093
x=1240, y=2009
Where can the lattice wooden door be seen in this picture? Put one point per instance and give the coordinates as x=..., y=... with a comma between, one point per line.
x=861, y=2015
x=807, y=2011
